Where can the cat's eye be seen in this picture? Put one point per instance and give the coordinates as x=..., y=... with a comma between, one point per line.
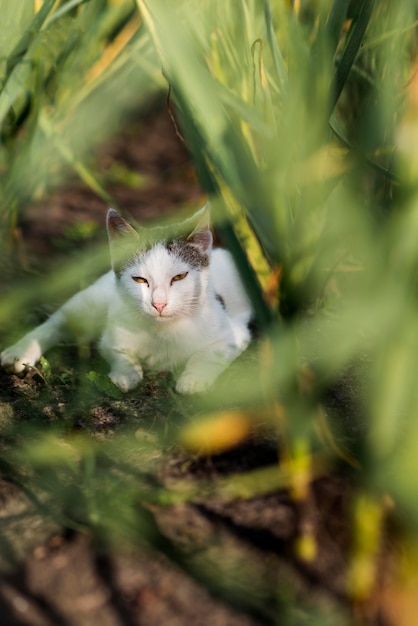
x=178, y=277
x=140, y=279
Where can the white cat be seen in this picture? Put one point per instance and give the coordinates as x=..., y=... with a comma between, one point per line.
x=170, y=302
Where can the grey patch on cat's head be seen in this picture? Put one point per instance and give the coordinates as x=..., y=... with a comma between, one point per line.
x=192, y=255
x=194, y=230
x=193, y=246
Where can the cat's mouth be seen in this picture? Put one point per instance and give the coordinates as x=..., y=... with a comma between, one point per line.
x=162, y=317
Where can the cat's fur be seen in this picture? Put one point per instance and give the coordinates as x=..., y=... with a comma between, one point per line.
x=170, y=303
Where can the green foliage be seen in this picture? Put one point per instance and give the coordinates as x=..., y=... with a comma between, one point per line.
x=104, y=385
x=302, y=125
x=258, y=89
x=59, y=70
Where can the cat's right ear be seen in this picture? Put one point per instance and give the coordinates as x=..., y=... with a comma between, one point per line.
x=201, y=235
x=123, y=239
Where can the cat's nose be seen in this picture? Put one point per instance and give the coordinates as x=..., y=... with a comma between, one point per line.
x=159, y=306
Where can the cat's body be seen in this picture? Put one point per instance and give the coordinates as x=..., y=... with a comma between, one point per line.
x=169, y=304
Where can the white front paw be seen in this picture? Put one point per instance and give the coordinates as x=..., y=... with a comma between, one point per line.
x=190, y=383
x=21, y=356
x=126, y=378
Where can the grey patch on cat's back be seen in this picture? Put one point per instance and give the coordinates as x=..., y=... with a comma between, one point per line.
x=189, y=253
x=220, y=300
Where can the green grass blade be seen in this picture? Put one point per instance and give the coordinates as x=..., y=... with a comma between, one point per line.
x=19, y=63
x=63, y=10
x=28, y=35
x=336, y=21
x=352, y=47
x=15, y=20
x=278, y=60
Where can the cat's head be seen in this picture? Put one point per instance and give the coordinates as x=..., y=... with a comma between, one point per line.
x=164, y=270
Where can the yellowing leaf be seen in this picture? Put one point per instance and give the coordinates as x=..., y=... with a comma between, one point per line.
x=306, y=547
x=216, y=433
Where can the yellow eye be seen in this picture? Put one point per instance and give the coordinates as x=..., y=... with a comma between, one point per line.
x=139, y=279
x=178, y=277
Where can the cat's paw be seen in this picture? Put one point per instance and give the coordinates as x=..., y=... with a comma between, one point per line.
x=21, y=356
x=126, y=378
x=190, y=383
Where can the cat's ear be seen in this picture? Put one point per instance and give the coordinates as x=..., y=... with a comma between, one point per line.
x=201, y=235
x=123, y=239
x=118, y=227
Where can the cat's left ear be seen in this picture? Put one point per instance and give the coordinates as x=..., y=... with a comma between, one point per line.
x=118, y=227
x=201, y=235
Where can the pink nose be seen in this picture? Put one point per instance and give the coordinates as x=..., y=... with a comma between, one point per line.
x=159, y=306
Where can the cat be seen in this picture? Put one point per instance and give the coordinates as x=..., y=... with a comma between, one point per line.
x=171, y=302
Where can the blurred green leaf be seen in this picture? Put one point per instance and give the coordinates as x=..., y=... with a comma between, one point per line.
x=15, y=21
x=103, y=384
x=323, y=229
x=354, y=40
